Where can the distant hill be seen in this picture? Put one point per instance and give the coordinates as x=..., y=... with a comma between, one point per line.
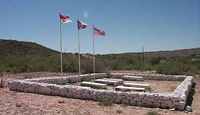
x=20, y=56
x=182, y=61
x=21, y=48
x=175, y=53
x=167, y=54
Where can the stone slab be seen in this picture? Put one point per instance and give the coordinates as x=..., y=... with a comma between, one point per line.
x=133, y=78
x=140, y=85
x=110, y=81
x=159, y=77
x=125, y=88
x=94, y=85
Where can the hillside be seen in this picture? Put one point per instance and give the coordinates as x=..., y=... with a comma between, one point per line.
x=177, y=53
x=20, y=56
x=21, y=48
x=183, y=61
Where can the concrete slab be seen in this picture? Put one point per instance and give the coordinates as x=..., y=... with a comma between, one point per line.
x=94, y=85
x=133, y=78
x=125, y=88
x=110, y=81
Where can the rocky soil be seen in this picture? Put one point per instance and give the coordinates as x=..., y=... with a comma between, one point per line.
x=17, y=103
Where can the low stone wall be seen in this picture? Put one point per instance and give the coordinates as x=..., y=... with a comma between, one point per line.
x=160, y=77
x=68, y=79
x=176, y=99
x=183, y=90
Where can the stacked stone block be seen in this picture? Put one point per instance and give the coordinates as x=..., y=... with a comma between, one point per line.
x=176, y=99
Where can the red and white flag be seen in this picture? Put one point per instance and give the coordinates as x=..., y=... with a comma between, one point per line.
x=81, y=25
x=98, y=32
x=64, y=19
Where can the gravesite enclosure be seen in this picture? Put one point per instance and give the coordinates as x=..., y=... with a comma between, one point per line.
x=117, y=88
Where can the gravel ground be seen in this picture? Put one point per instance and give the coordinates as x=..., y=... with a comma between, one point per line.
x=17, y=103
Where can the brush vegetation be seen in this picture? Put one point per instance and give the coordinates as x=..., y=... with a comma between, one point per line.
x=19, y=56
x=186, y=61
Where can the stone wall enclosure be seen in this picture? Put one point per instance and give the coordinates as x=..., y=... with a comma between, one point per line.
x=54, y=86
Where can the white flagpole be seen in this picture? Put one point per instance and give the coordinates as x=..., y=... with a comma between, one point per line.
x=79, y=57
x=93, y=35
x=61, y=61
x=143, y=64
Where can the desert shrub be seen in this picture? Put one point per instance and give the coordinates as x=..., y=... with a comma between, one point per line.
x=176, y=67
x=152, y=113
x=30, y=57
x=155, y=61
x=87, y=66
x=168, y=68
x=105, y=101
x=149, y=89
x=163, y=64
x=70, y=67
x=119, y=111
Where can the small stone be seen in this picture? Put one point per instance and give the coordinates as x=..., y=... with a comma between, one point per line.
x=61, y=101
x=173, y=109
x=18, y=105
x=188, y=108
x=119, y=111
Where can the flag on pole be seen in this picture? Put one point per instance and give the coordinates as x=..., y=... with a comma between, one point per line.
x=64, y=19
x=81, y=25
x=98, y=32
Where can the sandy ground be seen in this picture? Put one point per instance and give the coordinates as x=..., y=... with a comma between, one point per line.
x=17, y=103
x=161, y=86
x=156, y=86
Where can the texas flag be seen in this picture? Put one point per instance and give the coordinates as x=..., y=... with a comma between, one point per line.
x=64, y=19
x=81, y=25
x=98, y=32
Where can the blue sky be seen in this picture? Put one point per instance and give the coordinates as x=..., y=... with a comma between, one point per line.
x=129, y=24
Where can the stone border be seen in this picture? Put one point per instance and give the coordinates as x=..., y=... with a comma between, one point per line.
x=160, y=77
x=48, y=86
x=68, y=79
